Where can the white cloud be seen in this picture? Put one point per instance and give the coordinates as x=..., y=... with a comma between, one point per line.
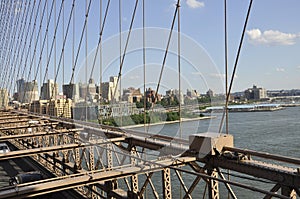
x=298, y=67
x=280, y=69
x=194, y=4
x=271, y=37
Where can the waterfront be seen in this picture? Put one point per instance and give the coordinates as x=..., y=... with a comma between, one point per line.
x=260, y=131
x=273, y=132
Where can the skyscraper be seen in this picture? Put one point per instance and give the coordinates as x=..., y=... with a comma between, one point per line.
x=49, y=90
x=27, y=91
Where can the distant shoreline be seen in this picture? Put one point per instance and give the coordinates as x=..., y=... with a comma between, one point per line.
x=169, y=122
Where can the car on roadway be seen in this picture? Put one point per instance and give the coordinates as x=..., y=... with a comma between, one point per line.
x=26, y=177
x=4, y=148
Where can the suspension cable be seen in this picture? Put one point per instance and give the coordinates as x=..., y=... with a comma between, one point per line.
x=80, y=42
x=226, y=61
x=235, y=64
x=24, y=46
x=144, y=68
x=16, y=48
x=53, y=40
x=100, y=38
x=125, y=48
x=7, y=41
x=34, y=51
x=19, y=42
x=11, y=47
x=64, y=42
x=44, y=42
x=166, y=51
x=29, y=47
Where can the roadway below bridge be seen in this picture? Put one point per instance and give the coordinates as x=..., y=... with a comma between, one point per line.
x=12, y=167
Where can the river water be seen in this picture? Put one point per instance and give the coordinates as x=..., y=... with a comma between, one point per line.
x=275, y=132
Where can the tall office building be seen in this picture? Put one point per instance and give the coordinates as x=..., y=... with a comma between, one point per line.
x=27, y=91
x=71, y=91
x=49, y=90
x=109, y=90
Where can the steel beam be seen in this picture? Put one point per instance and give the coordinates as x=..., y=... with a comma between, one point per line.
x=27, y=126
x=72, y=181
x=264, y=155
x=29, y=152
x=43, y=133
x=278, y=174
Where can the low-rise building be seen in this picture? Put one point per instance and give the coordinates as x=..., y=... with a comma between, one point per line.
x=61, y=108
x=255, y=93
x=132, y=95
x=39, y=106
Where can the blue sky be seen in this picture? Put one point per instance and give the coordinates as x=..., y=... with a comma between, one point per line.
x=269, y=57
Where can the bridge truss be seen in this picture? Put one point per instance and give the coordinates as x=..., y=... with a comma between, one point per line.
x=105, y=162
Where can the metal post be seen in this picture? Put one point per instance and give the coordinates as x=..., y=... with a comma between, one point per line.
x=134, y=178
x=92, y=168
x=213, y=185
x=109, y=156
x=166, y=180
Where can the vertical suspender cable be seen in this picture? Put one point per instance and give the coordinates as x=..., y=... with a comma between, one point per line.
x=80, y=41
x=63, y=54
x=86, y=46
x=120, y=49
x=30, y=40
x=11, y=19
x=100, y=64
x=4, y=41
x=29, y=49
x=120, y=54
x=11, y=55
x=144, y=66
x=54, y=68
x=73, y=44
x=41, y=51
x=24, y=47
x=236, y=63
x=100, y=38
x=226, y=61
x=47, y=44
x=19, y=43
x=53, y=41
x=226, y=76
x=179, y=81
x=166, y=53
x=125, y=47
x=179, y=68
x=43, y=43
x=34, y=52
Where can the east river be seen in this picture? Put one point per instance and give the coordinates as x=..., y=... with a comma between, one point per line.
x=276, y=132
